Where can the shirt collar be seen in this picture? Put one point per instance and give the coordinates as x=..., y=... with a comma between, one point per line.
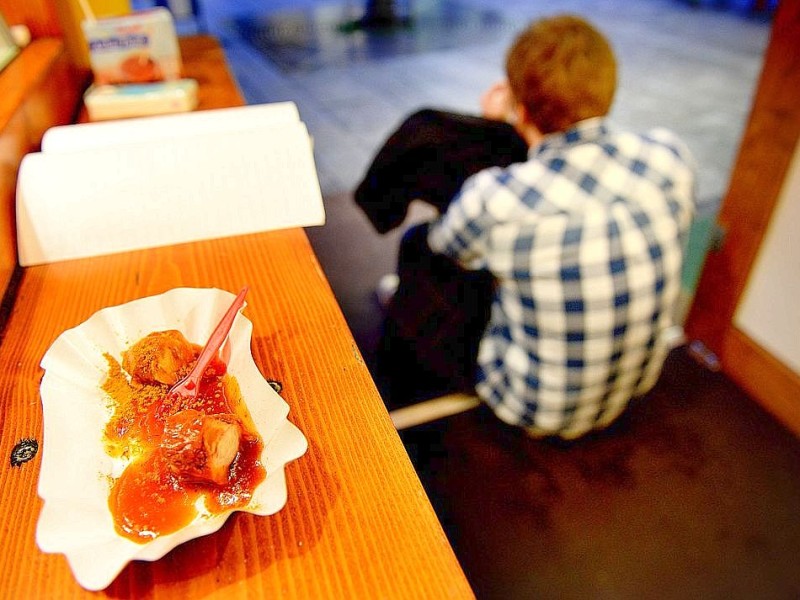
x=589, y=130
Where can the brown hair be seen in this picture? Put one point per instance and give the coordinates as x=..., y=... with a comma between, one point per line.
x=563, y=71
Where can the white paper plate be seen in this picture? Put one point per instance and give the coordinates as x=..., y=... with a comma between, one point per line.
x=74, y=479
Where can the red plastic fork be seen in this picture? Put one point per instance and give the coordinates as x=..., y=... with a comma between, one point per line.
x=188, y=386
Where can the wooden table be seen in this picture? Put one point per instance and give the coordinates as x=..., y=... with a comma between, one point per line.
x=357, y=523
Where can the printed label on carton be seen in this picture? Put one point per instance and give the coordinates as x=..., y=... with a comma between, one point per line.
x=137, y=48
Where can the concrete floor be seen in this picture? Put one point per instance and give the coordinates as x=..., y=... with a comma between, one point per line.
x=694, y=493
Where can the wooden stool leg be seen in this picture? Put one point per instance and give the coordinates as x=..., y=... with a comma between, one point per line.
x=431, y=410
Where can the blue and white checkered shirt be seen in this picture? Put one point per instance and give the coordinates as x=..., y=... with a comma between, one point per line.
x=586, y=240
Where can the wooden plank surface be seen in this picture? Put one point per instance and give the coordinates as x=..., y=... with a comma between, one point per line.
x=216, y=87
x=357, y=523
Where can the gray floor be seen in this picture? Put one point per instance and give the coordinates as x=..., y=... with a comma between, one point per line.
x=689, y=68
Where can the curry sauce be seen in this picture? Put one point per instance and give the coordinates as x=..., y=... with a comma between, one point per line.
x=186, y=456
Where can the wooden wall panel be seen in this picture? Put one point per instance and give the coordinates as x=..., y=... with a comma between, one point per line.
x=39, y=89
x=762, y=164
x=62, y=19
x=40, y=16
x=764, y=377
x=13, y=143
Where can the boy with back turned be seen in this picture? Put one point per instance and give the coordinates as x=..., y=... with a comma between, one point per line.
x=548, y=284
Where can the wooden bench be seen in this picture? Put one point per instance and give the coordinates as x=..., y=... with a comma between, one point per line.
x=39, y=89
x=357, y=523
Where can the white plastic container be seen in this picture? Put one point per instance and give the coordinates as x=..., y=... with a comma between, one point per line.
x=139, y=100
